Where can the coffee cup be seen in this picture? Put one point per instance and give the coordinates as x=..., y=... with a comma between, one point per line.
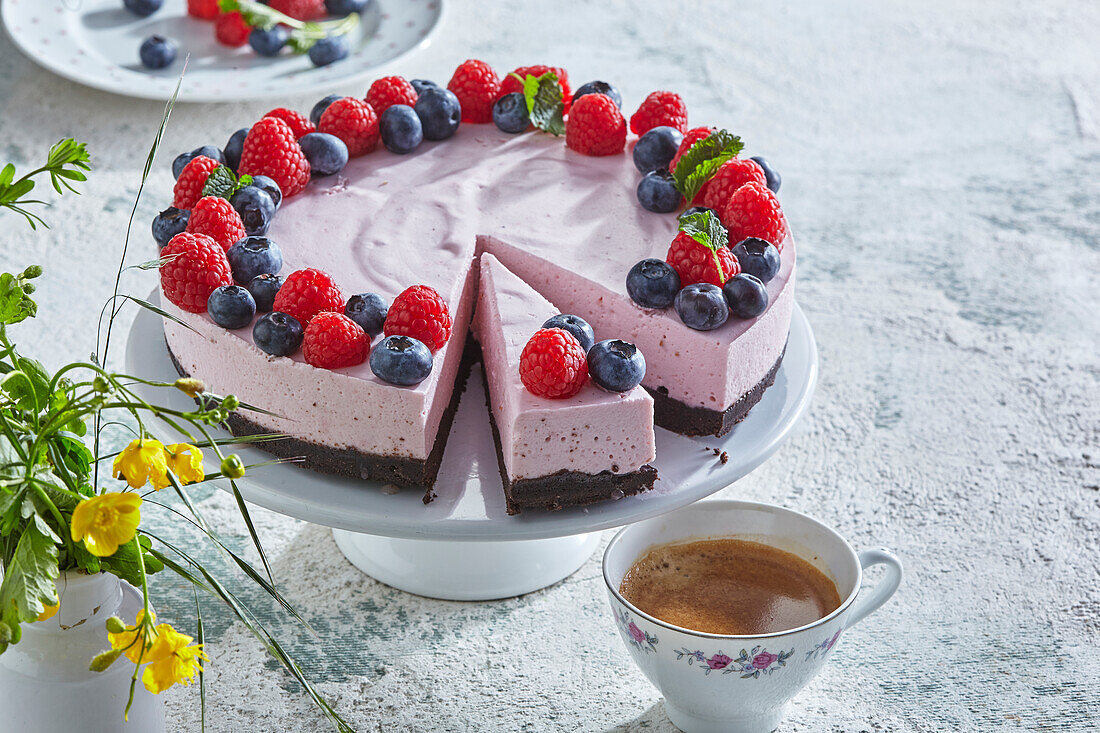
x=715, y=683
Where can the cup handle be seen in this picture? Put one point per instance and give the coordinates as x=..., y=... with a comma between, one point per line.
x=885, y=587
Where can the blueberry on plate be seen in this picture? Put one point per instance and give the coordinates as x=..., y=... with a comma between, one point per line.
x=254, y=256
x=599, y=87
x=271, y=187
x=652, y=283
x=169, y=223
x=574, y=325
x=142, y=8
x=616, y=365
x=340, y=8
x=321, y=106
x=234, y=148
x=657, y=192
x=231, y=306
x=269, y=41
x=157, y=52
x=747, y=297
x=401, y=360
x=400, y=129
x=278, y=334
x=655, y=149
x=255, y=207
x=702, y=306
x=368, y=310
x=771, y=176
x=180, y=162
x=264, y=288
x=210, y=151
x=439, y=113
x=423, y=85
x=327, y=154
x=329, y=50
x=510, y=113
x=757, y=257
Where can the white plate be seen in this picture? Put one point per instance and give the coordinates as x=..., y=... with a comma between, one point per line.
x=470, y=503
x=95, y=43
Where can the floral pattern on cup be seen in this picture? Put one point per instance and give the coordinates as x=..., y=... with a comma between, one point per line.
x=639, y=638
x=819, y=651
x=749, y=663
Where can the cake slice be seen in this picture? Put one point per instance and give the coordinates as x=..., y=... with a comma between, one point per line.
x=554, y=453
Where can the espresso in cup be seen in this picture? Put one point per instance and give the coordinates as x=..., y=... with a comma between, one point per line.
x=729, y=586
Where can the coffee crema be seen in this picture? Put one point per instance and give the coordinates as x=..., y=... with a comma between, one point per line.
x=729, y=586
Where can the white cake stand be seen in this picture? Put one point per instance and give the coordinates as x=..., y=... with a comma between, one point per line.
x=464, y=546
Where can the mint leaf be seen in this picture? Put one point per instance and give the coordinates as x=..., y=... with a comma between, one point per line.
x=545, y=107
x=705, y=228
x=702, y=160
x=221, y=182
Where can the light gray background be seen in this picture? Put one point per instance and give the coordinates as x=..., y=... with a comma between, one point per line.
x=941, y=169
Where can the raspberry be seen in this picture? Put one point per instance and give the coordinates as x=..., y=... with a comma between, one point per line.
x=595, y=126
x=353, y=121
x=192, y=178
x=476, y=85
x=203, y=9
x=553, y=364
x=300, y=9
x=299, y=123
x=196, y=267
x=754, y=211
x=660, y=109
x=419, y=312
x=305, y=293
x=388, y=91
x=333, y=341
x=697, y=262
x=691, y=137
x=231, y=30
x=733, y=174
x=216, y=218
x=270, y=149
x=511, y=84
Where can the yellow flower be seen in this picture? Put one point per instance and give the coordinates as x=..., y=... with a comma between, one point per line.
x=143, y=461
x=186, y=462
x=49, y=612
x=171, y=660
x=104, y=522
x=129, y=640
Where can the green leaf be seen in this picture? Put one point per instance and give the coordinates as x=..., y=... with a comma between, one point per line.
x=706, y=229
x=545, y=107
x=29, y=576
x=125, y=563
x=221, y=182
x=15, y=304
x=703, y=159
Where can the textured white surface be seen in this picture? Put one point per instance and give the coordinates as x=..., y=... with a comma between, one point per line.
x=941, y=166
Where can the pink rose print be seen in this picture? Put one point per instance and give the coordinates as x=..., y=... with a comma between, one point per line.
x=636, y=637
x=636, y=633
x=763, y=660
x=719, y=661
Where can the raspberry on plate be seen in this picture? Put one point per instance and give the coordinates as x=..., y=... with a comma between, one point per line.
x=660, y=109
x=272, y=150
x=388, y=91
x=192, y=178
x=691, y=137
x=300, y=9
x=305, y=293
x=699, y=253
x=216, y=218
x=334, y=341
x=754, y=211
x=203, y=9
x=353, y=121
x=419, y=312
x=231, y=30
x=595, y=126
x=196, y=267
x=730, y=176
x=510, y=84
x=299, y=123
x=553, y=364
x=477, y=87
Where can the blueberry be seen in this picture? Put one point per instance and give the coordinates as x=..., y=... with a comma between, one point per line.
x=439, y=113
x=156, y=52
x=264, y=288
x=271, y=187
x=696, y=210
x=657, y=192
x=320, y=107
x=616, y=365
x=328, y=50
x=401, y=360
x=655, y=149
x=234, y=147
x=757, y=257
x=599, y=87
x=256, y=208
x=169, y=223
x=747, y=297
x=401, y=129
x=269, y=41
x=254, y=256
x=180, y=163
x=652, y=283
x=574, y=325
x=702, y=306
x=210, y=151
x=423, y=85
x=510, y=113
x=142, y=7
x=770, y=174
x=231, y=306
x=368, y=310
x=278, y=334
x=327, y=154
x=340, y=8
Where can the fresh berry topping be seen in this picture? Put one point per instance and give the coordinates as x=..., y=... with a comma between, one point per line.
x=169, y=223
x=476, y=85
x=419, y=312
x=400, y=129
x=231, y=306
x=652, y=283
x=423, y=85
x=300, y=9
x=746, y=295
x=142, y=8
x=510, y=113
x=327, y=154
x=510, y=83
x=388, y=91
x=278, y=334
x=269, y=41
x=157, y=52
x=702, y=306
x=305, y=293
x=329, y=50
x=195, y=265
x=401, y=360
x=696, y=210
x=334, y=341
x=340, y=8
x=439, y=113
x=699, y=253
x=754, y=211
x=657, y=192
x=691, y=137
x=255, y=208
x=271, y=150
x=655, y=149
x=553, y=364
x=299, y=123
x=268, y=186
x=616, y=365
x=599, y=87
x=353, y=121
x=203, y=9
x=758, y=258
x=264, y=288
x=231, y=30
x=234, y=147
x=216, y=218
x=368, y=310
x=320, y=107
x=770, y=174
x=595, y=126
x=660, y=109
x=254, y=256
x=183, y=159
x=730, y=176
x=575, y=325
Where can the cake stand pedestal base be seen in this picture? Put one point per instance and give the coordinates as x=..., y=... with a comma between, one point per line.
x=466, y=571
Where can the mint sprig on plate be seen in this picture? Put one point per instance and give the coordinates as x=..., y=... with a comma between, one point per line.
x=545, y=105
x=703, y=159
x=222, y=182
